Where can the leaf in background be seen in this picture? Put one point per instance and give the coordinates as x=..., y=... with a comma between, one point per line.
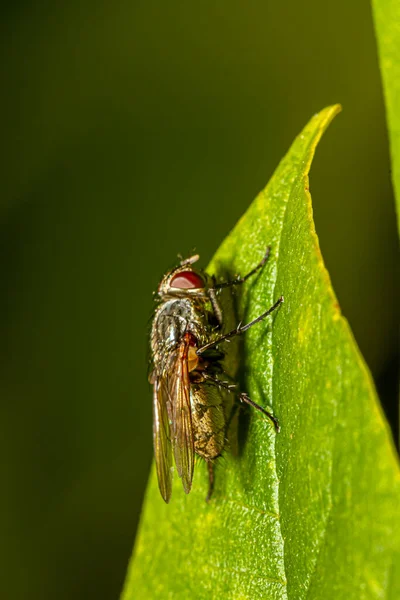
x=309, y=513
x=387, y=26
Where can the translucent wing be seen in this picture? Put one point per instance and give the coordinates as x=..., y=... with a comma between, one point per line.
x=180, y=415
x=162, y=438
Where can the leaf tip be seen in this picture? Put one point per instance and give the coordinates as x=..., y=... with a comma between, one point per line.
x=326, y=115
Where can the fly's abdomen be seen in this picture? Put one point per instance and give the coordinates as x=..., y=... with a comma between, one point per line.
x=209, y=420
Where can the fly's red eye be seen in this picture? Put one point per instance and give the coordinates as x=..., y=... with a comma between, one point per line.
x=187, y=280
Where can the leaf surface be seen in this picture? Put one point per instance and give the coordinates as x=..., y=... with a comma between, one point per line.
x=387, y=26
x=308, y=513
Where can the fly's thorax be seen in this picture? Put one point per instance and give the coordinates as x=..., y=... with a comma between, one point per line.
x=176, y=317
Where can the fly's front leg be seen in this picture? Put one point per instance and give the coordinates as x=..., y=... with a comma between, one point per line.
x=239, y=280
x=212, y=294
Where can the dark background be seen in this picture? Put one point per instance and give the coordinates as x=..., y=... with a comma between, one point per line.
x=131, y=132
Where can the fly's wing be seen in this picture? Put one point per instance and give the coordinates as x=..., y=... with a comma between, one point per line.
x=180, y=415
x=162, y=438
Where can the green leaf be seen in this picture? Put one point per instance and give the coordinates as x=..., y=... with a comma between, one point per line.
x=387, y=25
x=310, y=512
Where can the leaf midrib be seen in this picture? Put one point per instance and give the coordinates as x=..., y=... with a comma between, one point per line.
x=302, y=181
x=278, y=245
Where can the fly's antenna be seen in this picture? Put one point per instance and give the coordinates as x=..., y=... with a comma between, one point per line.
x=190, y=260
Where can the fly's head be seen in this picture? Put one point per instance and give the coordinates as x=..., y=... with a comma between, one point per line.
x=184, y=281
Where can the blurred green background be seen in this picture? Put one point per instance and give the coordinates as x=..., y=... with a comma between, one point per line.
x=131, y=132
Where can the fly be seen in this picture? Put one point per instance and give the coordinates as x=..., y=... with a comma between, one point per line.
x=190, y=386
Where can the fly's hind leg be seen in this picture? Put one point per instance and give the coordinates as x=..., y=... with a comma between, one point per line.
x=210, y=467
x=243, y=397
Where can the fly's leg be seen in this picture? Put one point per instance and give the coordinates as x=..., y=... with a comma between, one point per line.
x=210, y=480
x=215, y=305
x=239, y=280
x=230, y=419
x=243, y=397
x=239, y=329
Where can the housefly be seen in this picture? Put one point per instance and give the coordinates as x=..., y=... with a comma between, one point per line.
x=190, y=386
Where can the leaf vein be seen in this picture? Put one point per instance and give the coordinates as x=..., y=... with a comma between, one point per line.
x=266, y=513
